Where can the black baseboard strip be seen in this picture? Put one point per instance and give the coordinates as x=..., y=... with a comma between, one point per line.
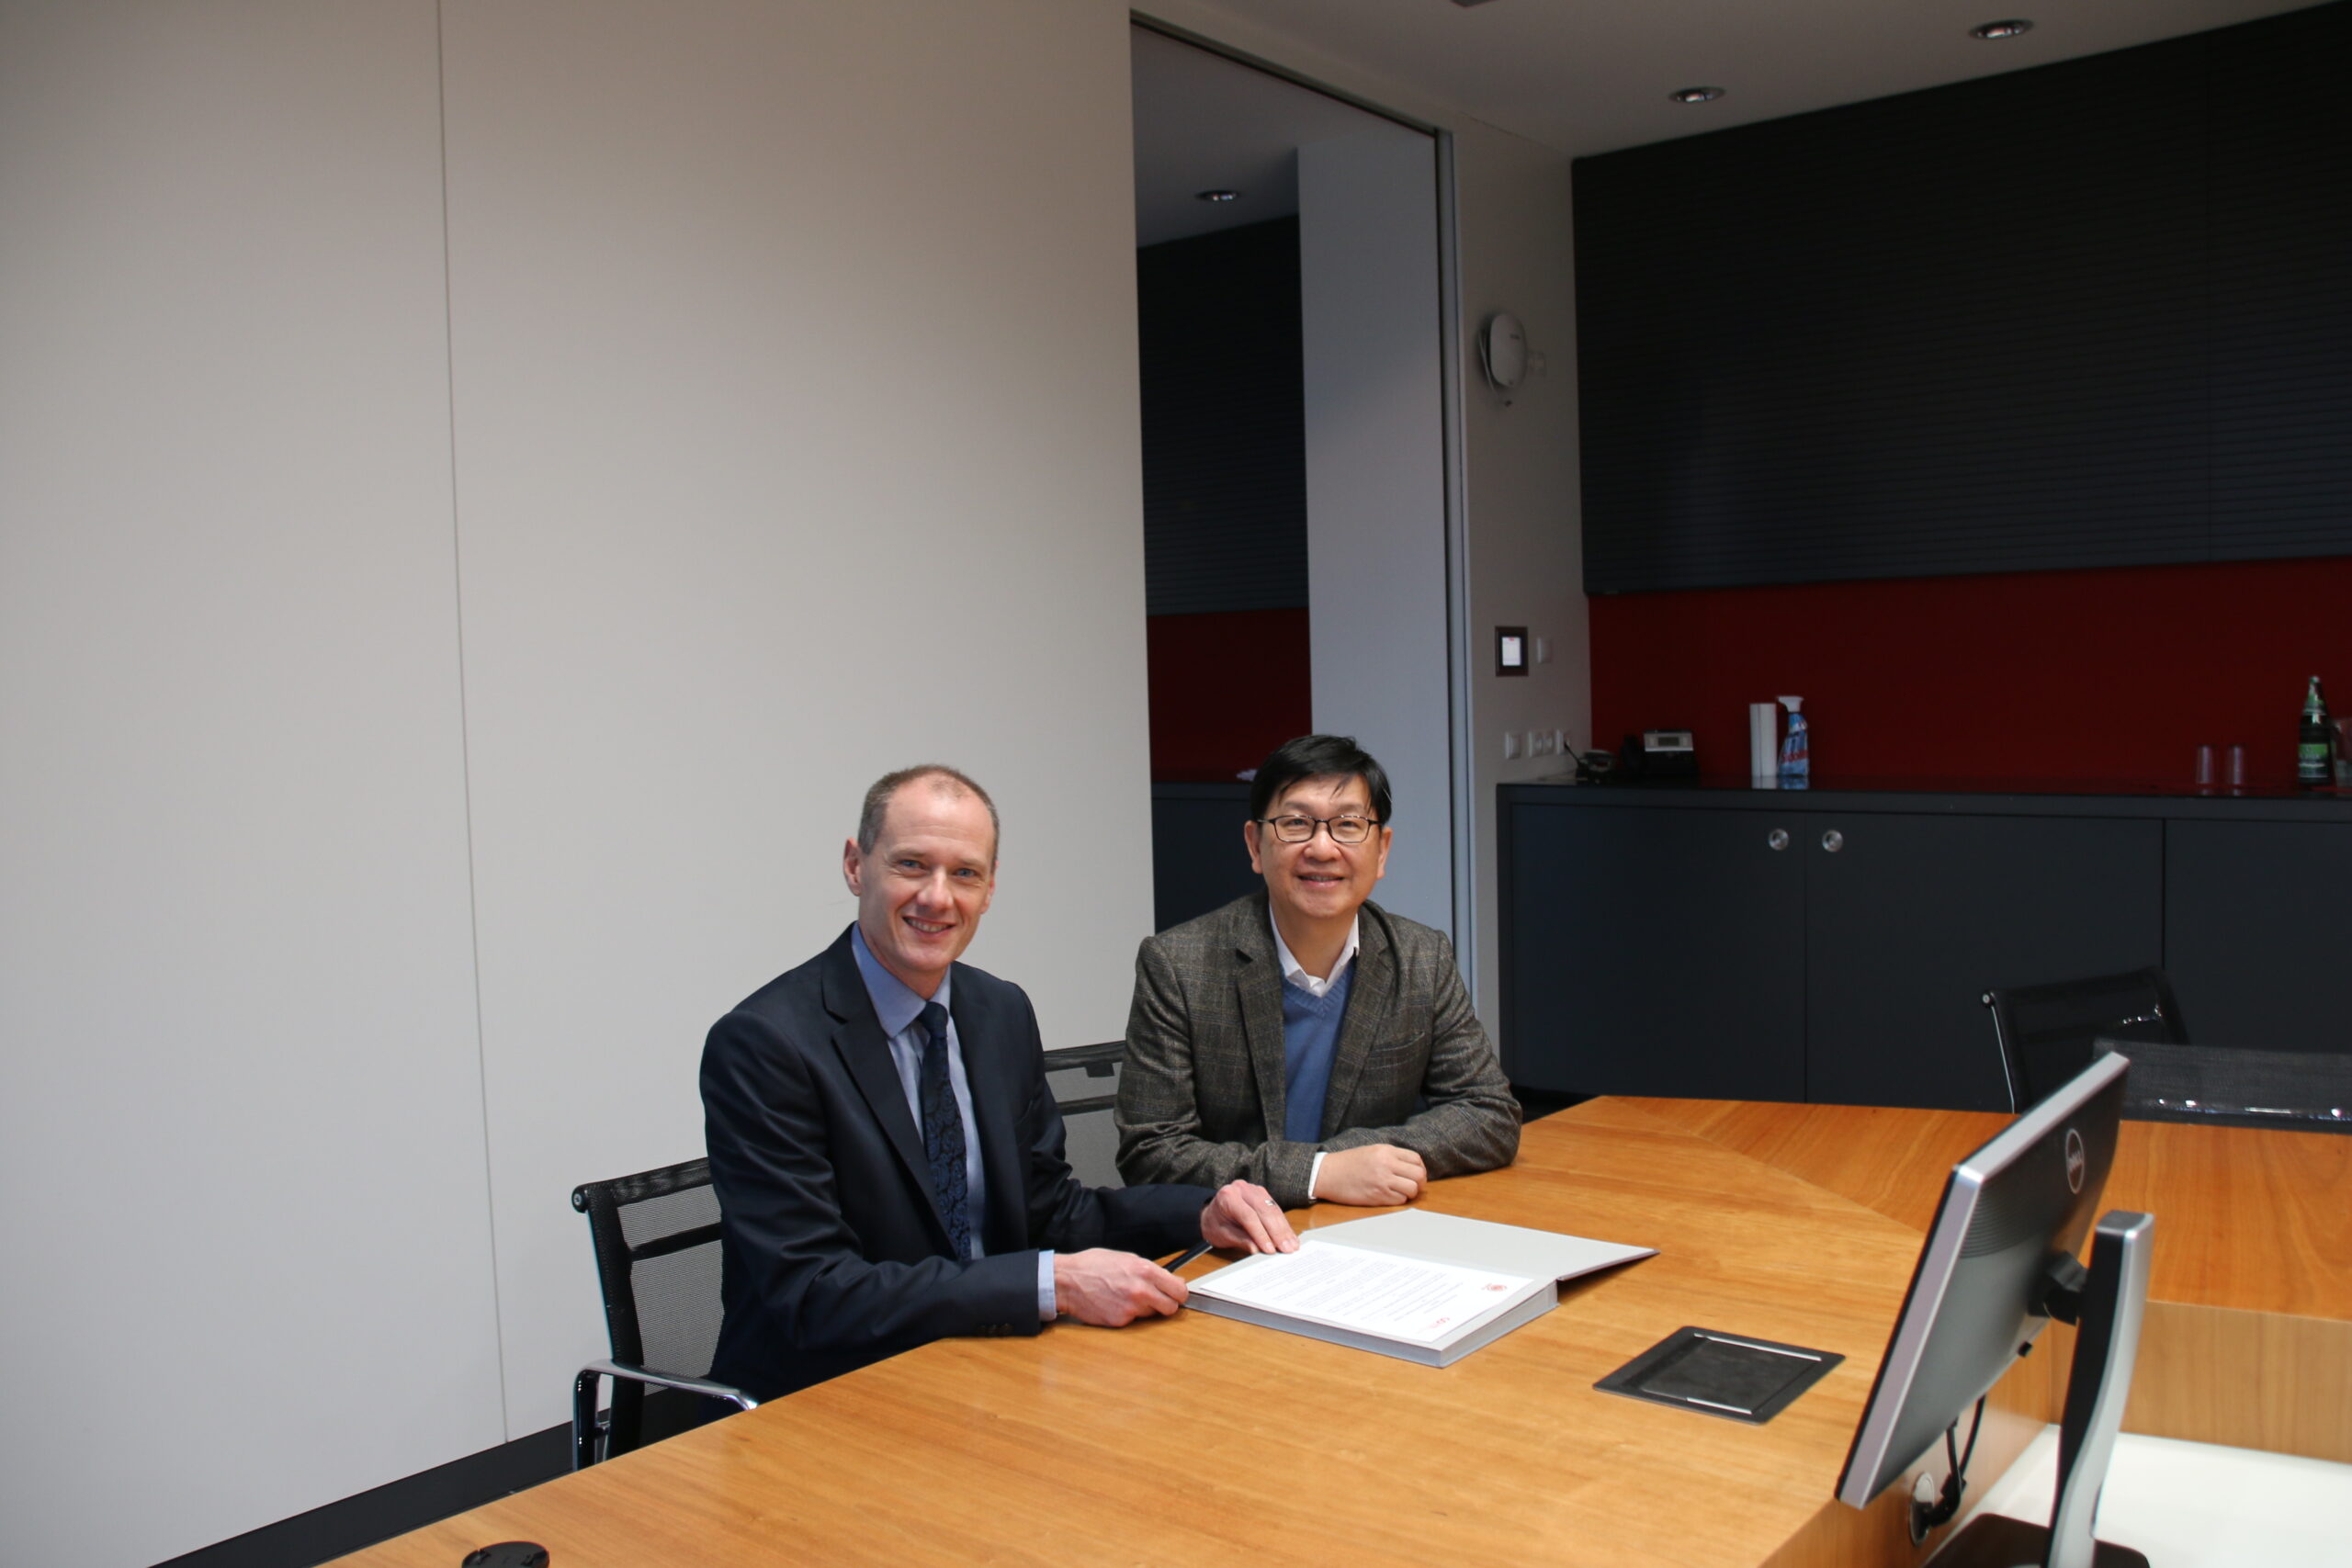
x=412, y=1502
x=395, y=1508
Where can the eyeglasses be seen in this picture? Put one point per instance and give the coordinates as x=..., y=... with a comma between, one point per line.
x=1298, y=830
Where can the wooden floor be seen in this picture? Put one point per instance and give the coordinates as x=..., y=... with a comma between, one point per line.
x=1197, y=1439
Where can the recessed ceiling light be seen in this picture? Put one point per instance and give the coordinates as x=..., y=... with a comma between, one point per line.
x=2010, y=29
x=1695, y=94
x=1217, y=194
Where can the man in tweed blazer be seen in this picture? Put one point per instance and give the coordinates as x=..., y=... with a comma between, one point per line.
x=1304, y=1038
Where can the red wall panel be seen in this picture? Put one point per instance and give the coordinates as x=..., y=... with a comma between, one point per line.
x=1226, y=689
x=2107, y=675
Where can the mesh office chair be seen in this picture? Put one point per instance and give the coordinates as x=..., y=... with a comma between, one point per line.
x=1085, y=1082
x=2308, y=1091
x=2046, y=1032
x=656, y=1236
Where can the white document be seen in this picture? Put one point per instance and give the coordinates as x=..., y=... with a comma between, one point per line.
x=1365, y=1293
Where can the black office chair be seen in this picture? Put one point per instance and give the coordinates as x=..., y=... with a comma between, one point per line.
x=1085, y=1082
x=2046, y=1032
x=656, y=1236
x=2308, y=1091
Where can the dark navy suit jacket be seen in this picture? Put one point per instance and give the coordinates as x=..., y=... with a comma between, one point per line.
x=835, y=1251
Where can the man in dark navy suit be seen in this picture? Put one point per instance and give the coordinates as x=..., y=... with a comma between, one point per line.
x=887, y=1154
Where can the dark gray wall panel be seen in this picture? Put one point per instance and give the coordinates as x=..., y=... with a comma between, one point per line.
x=2279, y=175
x=1223, y=421
x=2093, y=314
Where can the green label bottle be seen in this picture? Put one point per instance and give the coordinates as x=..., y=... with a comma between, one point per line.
x=2313, y=741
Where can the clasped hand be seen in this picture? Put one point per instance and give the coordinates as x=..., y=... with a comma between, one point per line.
x=1374, y=1177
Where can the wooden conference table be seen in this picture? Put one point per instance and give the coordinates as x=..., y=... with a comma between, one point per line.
x=1197, y=1439
x=2248, y=1335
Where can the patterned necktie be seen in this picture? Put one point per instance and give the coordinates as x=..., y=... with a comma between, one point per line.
x=942, y=1132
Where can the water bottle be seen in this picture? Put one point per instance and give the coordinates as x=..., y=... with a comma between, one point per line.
x=1797, y=753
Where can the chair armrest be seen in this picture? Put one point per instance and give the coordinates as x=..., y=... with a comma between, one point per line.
x=669, y=1379
x=591, y=1378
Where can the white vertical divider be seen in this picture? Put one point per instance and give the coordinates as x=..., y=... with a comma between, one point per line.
x=1377, y=590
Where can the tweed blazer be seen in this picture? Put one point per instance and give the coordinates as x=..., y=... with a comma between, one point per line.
x=1200, y=1097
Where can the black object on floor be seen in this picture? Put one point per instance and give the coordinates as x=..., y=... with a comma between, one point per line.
x=507, y=1554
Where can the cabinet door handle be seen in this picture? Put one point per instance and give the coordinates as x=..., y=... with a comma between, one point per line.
x=1778, y=838
x=1833, y=840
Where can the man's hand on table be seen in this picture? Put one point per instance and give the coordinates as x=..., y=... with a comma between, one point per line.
x=1244, y=1217
x=1374, y=1177
x=1111, y=1290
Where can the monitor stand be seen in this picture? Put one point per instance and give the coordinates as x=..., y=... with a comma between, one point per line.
x=2105, y=1305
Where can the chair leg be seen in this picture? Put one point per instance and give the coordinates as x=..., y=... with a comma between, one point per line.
x=583, y=1418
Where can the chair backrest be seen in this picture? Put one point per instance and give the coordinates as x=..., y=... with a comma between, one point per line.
x=1085, y=1084
x=656, y=1236
x=2046, y=1032
x=2304, y=1091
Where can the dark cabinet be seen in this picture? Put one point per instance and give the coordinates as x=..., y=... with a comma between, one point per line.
x=1199, y=861
x=1909, y=918
x=1660, y=943
x=2257, y=929
x=1656, y=951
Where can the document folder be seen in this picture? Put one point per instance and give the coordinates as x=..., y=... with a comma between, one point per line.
x=1477, y=1281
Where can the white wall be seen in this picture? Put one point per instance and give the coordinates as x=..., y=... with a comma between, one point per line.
x=1374, y=364
x=241, y=1136
x=1520, y=483
x=376, y=631
x=797, y=441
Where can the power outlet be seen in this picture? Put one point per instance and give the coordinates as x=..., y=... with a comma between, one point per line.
x=1542, y=742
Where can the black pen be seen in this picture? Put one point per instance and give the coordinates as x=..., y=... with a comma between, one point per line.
x=1186, y=1258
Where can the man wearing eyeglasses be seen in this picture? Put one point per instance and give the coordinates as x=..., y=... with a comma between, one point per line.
x=1304, y=1038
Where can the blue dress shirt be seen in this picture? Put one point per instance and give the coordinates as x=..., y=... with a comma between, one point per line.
x=898, y=1007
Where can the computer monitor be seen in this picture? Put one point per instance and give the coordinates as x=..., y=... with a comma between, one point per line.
x=1997, y=1264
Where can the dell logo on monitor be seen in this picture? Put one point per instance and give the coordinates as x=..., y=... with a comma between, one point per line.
x=2075, y=1160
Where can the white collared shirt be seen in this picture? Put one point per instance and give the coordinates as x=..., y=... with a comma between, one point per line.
x=1294, y=975
x=898, y=1010
x=1298, y=976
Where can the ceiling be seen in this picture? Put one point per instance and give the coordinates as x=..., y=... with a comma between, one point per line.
x=1205, y=123
x=1578, y=76
x=1587, y=75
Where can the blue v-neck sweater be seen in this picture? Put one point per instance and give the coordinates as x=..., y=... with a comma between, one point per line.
x=1310, y=1038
